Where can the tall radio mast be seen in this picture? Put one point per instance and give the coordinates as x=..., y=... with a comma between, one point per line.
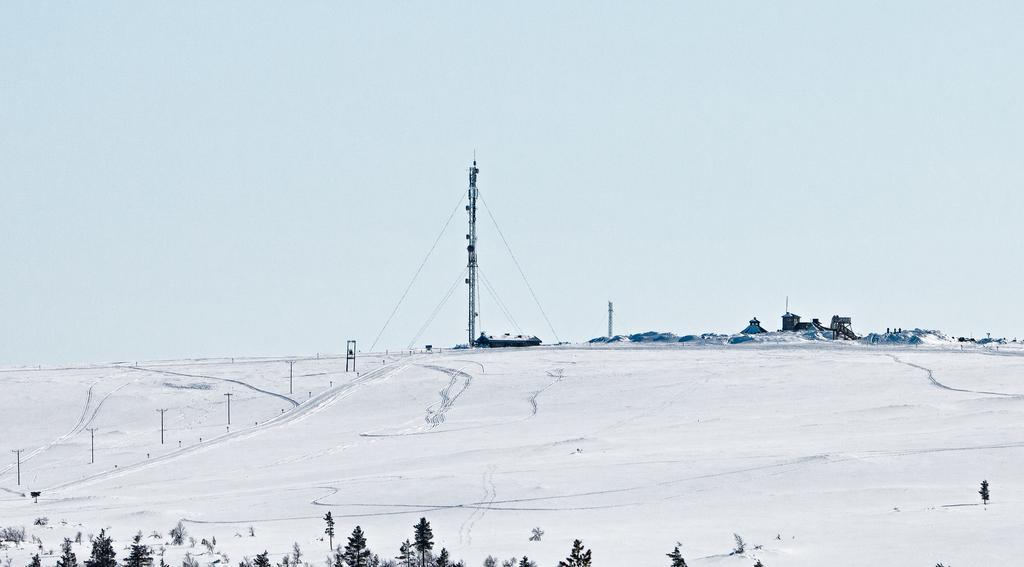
x=471, y=249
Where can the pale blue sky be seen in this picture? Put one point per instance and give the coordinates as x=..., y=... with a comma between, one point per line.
x=249, y=178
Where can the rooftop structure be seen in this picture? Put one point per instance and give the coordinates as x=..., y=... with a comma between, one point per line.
x=506, y=340
x=840, y=326
x=753, y=328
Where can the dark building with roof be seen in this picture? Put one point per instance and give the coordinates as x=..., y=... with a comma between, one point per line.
x=753, y=328
x=507, y=340
x=840, y=327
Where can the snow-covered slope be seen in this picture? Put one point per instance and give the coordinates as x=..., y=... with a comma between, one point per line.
x=821, y=453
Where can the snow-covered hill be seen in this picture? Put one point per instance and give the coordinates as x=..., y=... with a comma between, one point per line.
x=819, y=453
x=902, y=337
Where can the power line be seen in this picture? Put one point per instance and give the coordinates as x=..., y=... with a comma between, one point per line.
x=418, y=270
x=229, y=407
x=162, y=411
x=18, y=452
x=520, y=268
x=92, y=445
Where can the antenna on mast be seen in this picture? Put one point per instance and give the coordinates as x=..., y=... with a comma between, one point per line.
x=471, y=250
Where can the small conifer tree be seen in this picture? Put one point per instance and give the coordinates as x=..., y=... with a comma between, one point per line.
x=578, y=557
x=139, y=555
x=677, y=557
x=423, y=540
x=103, y=554
x=356, y=553
x=67, y=557
x=36, y=562
x=339, y=558
x=984, y=492
x=442, y=559
x=329, y=519
x=262, y=560
x=406, y=554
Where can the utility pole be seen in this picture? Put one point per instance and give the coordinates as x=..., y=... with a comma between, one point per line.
x=350, y=355
x=161, y=425
x=610, y=313
x=92, y=445
x=471, y=249
x=229, y=407
x=18, y=452
x=291, y=366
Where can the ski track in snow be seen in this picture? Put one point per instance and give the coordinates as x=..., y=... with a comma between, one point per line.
x=482, y=369
x=82, y=423
x=936, y=383
x=617, y=477
x=307, y=457
x=433, y=417
x=436, y=417
x=490, y=493
x=239, y=382
x=557, y=374
x=314, y=405
x=490, y=503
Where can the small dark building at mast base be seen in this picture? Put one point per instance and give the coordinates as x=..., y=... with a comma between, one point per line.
x=506, y=340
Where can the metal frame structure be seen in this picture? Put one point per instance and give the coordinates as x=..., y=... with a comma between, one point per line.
x=471, y=250
x=350, y=355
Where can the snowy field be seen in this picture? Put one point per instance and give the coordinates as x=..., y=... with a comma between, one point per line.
x=819, y=453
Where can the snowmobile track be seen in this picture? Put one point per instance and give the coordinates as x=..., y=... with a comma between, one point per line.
x=936, y=383
x=311, y=406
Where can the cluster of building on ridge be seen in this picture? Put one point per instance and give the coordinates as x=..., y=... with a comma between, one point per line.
x=840, y=328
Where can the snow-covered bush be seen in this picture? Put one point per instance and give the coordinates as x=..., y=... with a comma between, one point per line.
x=178, y=534
x=741, y=546
x=13, y=534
